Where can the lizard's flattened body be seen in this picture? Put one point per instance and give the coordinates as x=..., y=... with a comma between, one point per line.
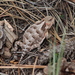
x=33, y=37
x=35, y=34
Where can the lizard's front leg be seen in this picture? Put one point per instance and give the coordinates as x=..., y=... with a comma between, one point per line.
x=22, y=45
x=18, y=43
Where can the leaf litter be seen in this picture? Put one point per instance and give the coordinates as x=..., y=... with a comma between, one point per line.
x=16, y=17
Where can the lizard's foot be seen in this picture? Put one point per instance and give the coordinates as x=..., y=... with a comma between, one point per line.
x=17, y=43
x=23, y=54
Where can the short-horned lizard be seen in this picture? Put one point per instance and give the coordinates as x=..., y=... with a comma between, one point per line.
x=35, y=34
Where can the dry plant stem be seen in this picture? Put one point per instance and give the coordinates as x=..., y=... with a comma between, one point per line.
x=22, y=57
x=8, y=14
x=70, y=2
x=23, y=71
x=34, y=65
x=55, y=34
x=27, y=17
x=17, y=9
x=36, y=9
x=23, y=66
x=71, y=39
x=72, y=24
x=44, y=8
x=33, y=3
x=13, y=71
x=55, y=14
x=14, y=16
x=29, y=57
x=20, y=13
x=15, y=26
x=14, y=19
x=34, y=15
x=5, y=11
x=68, y=10
x=25, y=10
x=11, y=16
x=24, y=2
x=19, y=71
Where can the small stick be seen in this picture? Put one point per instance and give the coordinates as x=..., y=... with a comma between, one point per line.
x=23, y=66
x=34, y=65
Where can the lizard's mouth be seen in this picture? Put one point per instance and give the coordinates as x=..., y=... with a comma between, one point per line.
x=48, y=25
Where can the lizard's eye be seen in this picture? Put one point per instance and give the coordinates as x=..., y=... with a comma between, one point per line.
x=50, y=19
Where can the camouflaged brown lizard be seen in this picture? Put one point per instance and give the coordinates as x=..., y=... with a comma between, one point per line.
x=35, y=34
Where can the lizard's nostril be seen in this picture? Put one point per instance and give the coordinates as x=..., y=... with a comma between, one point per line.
x=47, y=24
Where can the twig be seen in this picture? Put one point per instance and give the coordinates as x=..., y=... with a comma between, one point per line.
x=70, y=2
x=6, y=11
x=34, y=65
x=33, y=3
x=44, y=8
x=25, y=10
x=22, y=66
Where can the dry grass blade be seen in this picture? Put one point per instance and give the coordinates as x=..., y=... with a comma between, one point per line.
x=35, y=8
x=20, y=13
x=24, y=10
x=68, y=9
x=9, y=14
x=70, y=2
x=14, y=16
x=34, y=65
x=24, y=2
x=54, y=13
x=73, y=24
x=56, y=34
x=5, y=11
x=7, y=0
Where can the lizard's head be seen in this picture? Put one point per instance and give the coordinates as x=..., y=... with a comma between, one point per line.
x=49, y=21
